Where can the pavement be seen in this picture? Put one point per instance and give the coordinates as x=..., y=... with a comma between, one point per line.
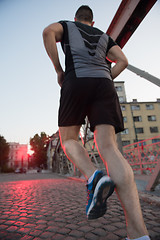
x=50, y=206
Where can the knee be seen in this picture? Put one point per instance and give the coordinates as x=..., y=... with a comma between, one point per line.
x=106, y=148
x=67, y=145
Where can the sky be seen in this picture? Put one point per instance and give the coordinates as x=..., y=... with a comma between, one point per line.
x=29, y=93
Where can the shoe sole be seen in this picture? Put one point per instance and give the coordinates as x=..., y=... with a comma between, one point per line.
x=103, y=190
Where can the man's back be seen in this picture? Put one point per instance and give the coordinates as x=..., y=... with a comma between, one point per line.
x=85, y=48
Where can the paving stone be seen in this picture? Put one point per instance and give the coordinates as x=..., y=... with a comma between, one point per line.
x=12, y=236
x=156, y=229
x=85, y=229
x=95, y=224
x=121, y=232
x=58, y=237
x=69, y=238
x=112, y=236
x=29, y=225
x=2, y=221
x=91, y=236
x=52, y=229
x=76, y=233
x=71, y=226
x=2, y=234
x=23, y=214
x=119, y=225
x=63, y=230
x=99, y=231
x=46, y=235
x=26, y=237
x=41, y=222
x=153, y=233
x=19, y=223
x=3, y=227
x=41, y=226
x=3, y=216
x=35, y=233
x=24, y=230
x=154, y=223
x=12, y=229
x=110, y=228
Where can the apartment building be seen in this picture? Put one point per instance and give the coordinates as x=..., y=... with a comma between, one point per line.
x=141, y=119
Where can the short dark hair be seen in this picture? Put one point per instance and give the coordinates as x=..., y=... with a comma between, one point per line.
x=84, y=13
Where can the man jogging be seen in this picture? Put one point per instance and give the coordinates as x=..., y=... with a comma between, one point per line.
x=87, y=89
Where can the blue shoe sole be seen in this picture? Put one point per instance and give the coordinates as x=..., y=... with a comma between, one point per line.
x=103, y=191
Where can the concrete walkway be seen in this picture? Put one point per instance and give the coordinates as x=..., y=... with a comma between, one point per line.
x=50, y=206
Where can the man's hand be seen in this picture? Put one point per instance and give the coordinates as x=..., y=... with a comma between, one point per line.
x=116, y=55
x=60, y=78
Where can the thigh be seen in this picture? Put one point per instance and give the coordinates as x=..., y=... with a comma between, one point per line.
x=69, y=132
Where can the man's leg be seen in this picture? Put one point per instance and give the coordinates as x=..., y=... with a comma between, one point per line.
x=75, y=152
x=99, y=186
x=122, y=175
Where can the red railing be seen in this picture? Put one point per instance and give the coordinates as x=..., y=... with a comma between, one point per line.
x=143, y=155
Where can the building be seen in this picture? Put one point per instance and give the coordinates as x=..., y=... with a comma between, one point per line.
x=18, y=155
x=141, y=119
x=51, y=149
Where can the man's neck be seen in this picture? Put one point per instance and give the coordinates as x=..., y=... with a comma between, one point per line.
x=87, y=23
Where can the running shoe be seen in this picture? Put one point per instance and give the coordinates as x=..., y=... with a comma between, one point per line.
x=98, y=191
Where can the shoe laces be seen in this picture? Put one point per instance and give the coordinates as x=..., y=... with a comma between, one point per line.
x=89, y=193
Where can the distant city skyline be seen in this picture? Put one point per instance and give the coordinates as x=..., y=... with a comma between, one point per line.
x=29, y=96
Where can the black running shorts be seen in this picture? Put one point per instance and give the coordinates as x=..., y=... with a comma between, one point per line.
x=92, y=97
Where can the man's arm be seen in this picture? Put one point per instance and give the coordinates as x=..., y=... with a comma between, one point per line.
x=116, y=55
x=52, y=34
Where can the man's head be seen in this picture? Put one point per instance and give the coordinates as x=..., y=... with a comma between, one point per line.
x=84, y=14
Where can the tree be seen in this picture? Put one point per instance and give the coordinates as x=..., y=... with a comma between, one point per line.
x=4, y=153
x=39, y=145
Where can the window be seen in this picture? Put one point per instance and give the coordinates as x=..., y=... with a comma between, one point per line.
x=135, y=107
x=118, y=88
x=139, y=130
x=155, y=140
x=123, y=108
x=137, y=119
x=134, y=100
x=126, y=131
x=125, y=119
x=124, y=143
x=152, y=118
x=121, y=99
x=149, y=106
x=154, y=129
